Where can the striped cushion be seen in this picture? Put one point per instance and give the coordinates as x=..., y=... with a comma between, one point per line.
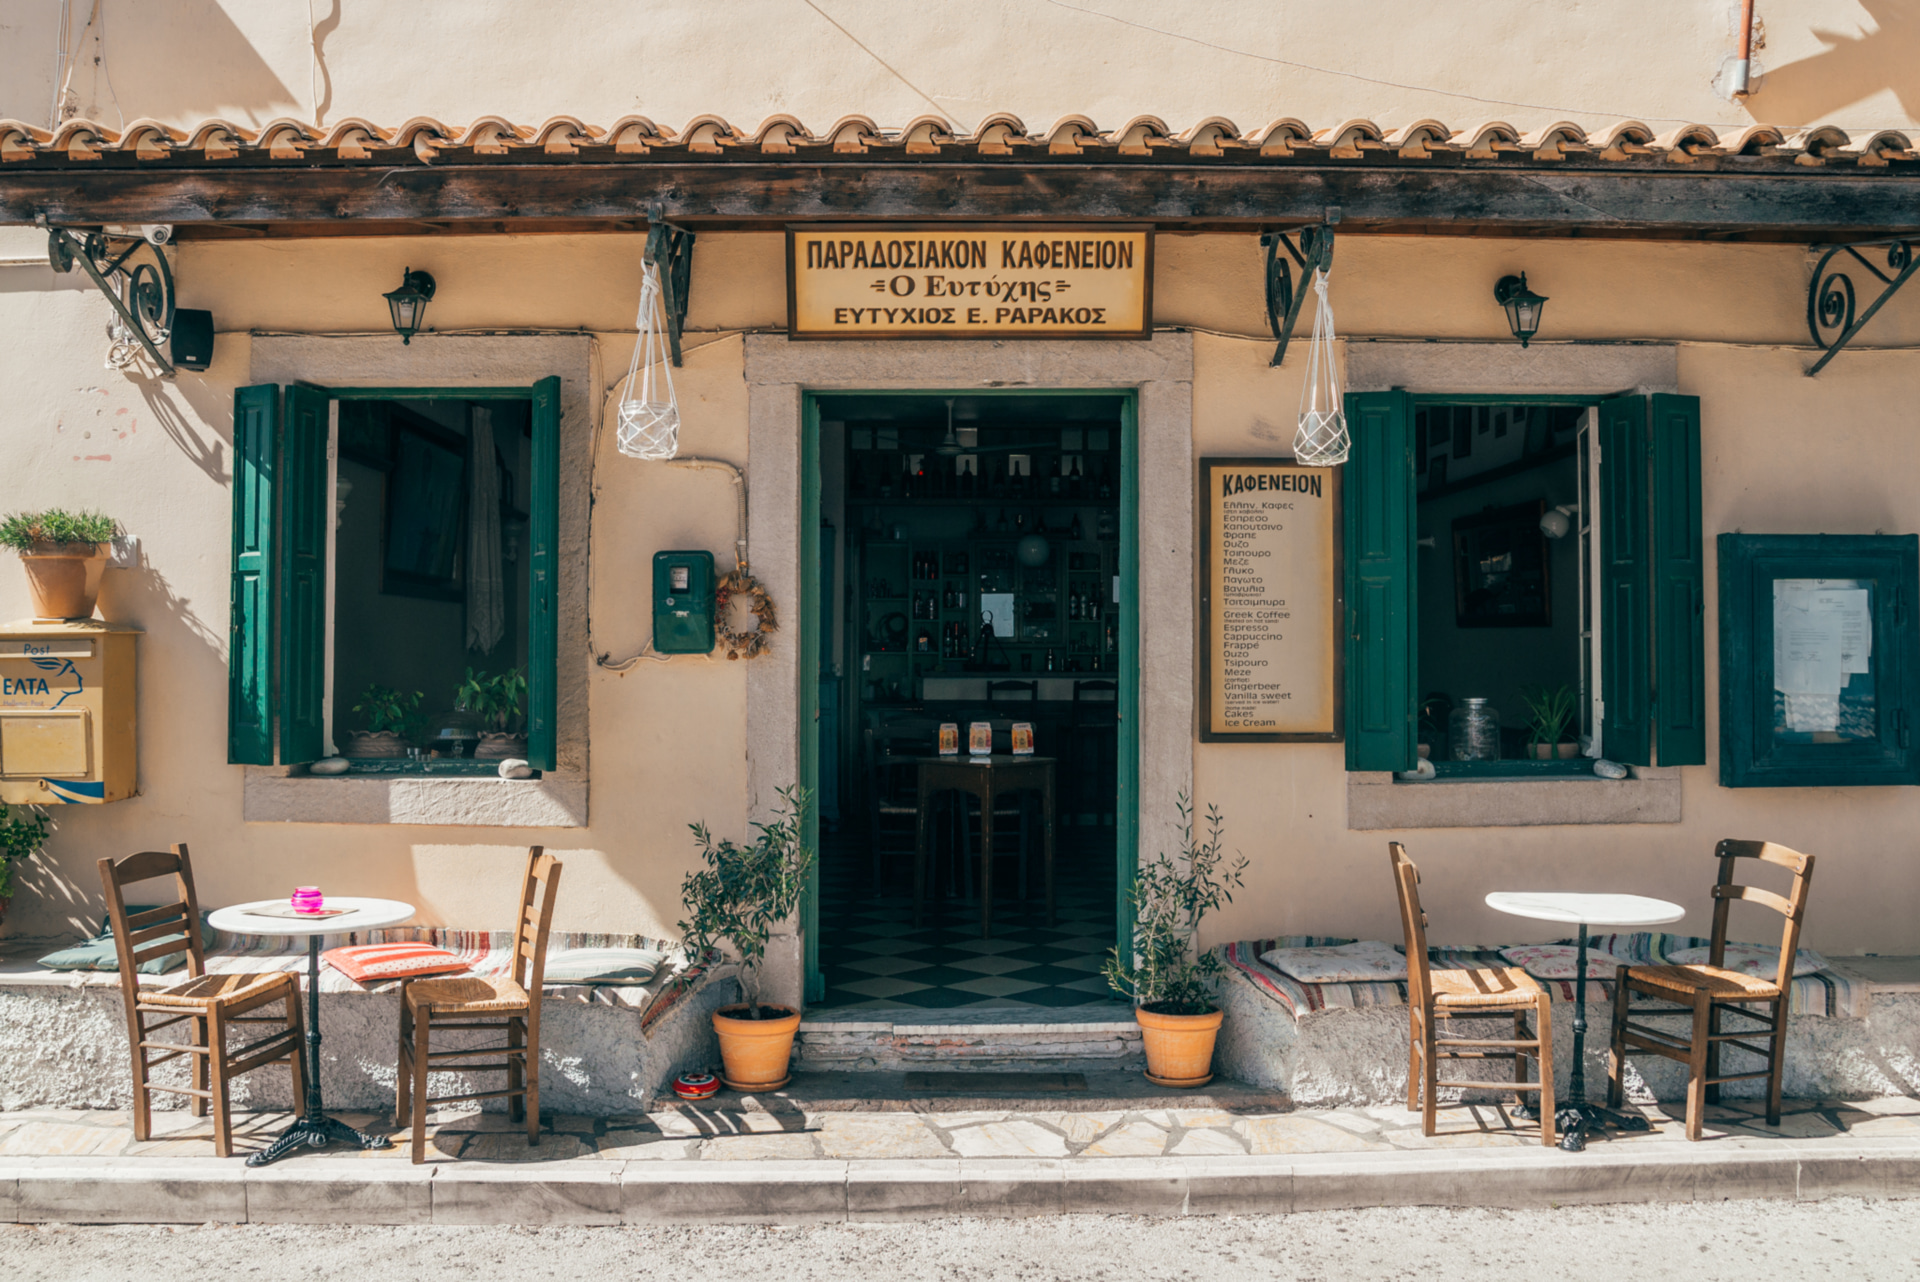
x=370, y=963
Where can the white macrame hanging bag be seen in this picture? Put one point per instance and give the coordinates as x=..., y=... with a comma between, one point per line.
x=649, y=416
x=1322, y=439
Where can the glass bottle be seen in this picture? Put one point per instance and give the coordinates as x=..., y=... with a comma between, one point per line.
x=1474, y=731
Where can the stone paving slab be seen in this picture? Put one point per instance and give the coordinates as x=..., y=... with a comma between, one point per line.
x=732, y=1164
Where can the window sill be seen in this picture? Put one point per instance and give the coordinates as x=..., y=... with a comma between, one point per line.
x=273, y=795
x=1375, y=800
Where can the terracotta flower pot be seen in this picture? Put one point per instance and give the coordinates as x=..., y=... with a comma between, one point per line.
x=1179, y=1047
x=495, y=746
x=373, y=745
x=755, y=1052
x=64, y=578
x=1553, y=751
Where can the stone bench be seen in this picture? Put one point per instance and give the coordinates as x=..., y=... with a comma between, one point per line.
x=607, y=1050
x=1854, y=1033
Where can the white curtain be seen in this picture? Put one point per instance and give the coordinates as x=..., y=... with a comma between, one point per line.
x=486, y=606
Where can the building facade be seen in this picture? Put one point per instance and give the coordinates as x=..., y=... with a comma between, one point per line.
x=1674, y=232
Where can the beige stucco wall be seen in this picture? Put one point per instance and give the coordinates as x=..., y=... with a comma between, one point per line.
x=1782, y=453
x=1841, y=61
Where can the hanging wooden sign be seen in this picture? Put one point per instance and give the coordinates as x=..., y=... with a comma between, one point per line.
x=1270, y=607
x=933, y=280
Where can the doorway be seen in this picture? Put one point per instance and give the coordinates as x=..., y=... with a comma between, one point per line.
x=973, y=569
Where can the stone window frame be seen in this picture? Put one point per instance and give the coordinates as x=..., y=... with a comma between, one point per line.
x=1375, y=799
x=558, y=799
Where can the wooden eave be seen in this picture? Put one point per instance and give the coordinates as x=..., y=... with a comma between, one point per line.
x=412, y=183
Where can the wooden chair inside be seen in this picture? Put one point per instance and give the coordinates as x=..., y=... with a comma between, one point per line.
x=507, y=1004
x=892, y=801
x=1709, y=992
x=203, y=1007
x=1468, y=993
x=1093, y=736
x=1013, y=691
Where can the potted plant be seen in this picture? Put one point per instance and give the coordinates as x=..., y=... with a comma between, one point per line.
x=738, y=898
x=22, y=832
x=65, y=554
x=1170, y=982
x=496, y=701
x=1551, y=711
x=390, y=717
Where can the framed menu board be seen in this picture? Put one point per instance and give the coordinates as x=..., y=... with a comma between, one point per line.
x=1270, y=609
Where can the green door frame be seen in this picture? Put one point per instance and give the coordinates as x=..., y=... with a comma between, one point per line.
x=1126, y=807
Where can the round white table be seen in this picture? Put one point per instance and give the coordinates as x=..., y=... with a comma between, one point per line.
x=315, y=1128
x=1583, y=910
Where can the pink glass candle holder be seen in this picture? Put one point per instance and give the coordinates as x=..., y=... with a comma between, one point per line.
x=307, y=899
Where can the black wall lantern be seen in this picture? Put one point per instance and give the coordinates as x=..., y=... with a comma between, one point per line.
x=409, y=303
x=1522, y=304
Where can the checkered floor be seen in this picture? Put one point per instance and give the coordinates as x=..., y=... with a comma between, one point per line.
x=873, y=955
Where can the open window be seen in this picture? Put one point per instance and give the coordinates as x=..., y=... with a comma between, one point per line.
x=323, y=596
x=1623, y=632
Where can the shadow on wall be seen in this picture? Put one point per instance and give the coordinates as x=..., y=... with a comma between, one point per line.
x=58, y=891
x=137, y=72
x=1853, y=66
x=184, y=431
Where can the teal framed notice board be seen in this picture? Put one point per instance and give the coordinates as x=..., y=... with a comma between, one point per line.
x=1819, y=660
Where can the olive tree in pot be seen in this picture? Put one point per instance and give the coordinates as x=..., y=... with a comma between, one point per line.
x=737, y=900
x=1170, y=982
x=65, y=555
x=22, y=832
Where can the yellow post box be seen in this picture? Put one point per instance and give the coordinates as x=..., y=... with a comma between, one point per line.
x=66, y=712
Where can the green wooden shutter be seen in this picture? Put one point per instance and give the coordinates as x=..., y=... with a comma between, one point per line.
x=1626, y=676
x=1679, y=584
x=1378, y=495
x=543, y=606
x=301, y=571
x=256, y=424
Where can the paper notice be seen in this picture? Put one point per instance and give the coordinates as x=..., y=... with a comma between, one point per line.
x=1856, y=627
x=1807, y=629
x=1813, y=713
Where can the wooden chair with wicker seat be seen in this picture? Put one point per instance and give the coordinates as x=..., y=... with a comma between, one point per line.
x=208, y=1006
x=1710, y=991
x=1468, y=993
x=508, y=1004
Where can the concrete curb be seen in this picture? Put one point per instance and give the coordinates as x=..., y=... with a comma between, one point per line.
x=588, y=1191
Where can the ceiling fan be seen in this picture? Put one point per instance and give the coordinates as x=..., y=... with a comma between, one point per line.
x=951, y=445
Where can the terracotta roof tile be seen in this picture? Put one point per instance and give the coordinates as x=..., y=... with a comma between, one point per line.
x=1001, y=134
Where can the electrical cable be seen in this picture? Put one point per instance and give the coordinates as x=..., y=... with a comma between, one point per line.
x=1393, y=84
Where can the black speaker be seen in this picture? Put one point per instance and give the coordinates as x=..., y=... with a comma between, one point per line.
x=192, y=338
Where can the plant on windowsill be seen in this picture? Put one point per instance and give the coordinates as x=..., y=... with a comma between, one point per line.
x=22, y=833
x=496, y=701
x=1170, y=981
x=1551, y=711
x=737, y=900
x=65, y=554
x=391, y=718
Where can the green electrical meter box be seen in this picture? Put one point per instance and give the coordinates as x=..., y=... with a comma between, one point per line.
x=683, y=602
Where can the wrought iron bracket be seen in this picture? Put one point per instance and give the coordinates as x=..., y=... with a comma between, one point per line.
x=671, y=249
x=1830, y=299
x=1314, y=253
x=141, y=291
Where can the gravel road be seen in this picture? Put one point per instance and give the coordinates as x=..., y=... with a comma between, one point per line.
x=1843, y=1238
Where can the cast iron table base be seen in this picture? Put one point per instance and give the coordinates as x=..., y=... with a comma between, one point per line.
x=1577, y=1119
x=316, y=1129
